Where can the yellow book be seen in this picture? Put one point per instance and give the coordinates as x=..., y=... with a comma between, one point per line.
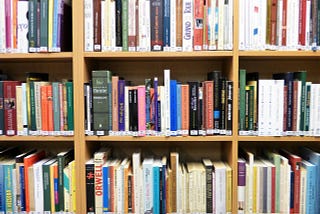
x=228, y=188
x=254, y=198
x=73, y=186
x=50, y=25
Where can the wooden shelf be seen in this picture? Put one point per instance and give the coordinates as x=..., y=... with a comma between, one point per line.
x=25, y=57
x=278, y=139
x=37, y=138
x=279, y=54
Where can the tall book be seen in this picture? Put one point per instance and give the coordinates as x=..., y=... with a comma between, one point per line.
x=194, y=108
x=2, y=118
x=147, y=184
x=47, y=184
x=90, y=187
x=100, y=80
x=156, y=15
x=209, y=169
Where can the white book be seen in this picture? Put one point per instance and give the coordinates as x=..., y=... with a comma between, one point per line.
x=249, y=157
x=211, y=21
x=242, y=24
x=103, y=25
x=312, y=110
x=278, y=95
x=66, y=188
x=112, y=25
x=263, y=25
x=38, y=185
x=132, y=22
x=317, y=115
x=187, y=25
x=137, y=173
x=303, y=186
x=285, y=175
x=89, y=106
x=24, y=110
x=308, y=40
x=144, y=25
x=279, y=22
x=147, y=170
x=220, y=185
x=3, y=27
x=167, y=101
x=228, y=43
x=221, y=24
x=173, y=35
x=119, y=188
x=88, y=25
x=262, y=106
x=295, y=34
x=19, y=109
x=248, y=21
x=22, y=27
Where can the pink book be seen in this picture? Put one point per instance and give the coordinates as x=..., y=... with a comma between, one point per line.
x=141, y=110
x=9, y=32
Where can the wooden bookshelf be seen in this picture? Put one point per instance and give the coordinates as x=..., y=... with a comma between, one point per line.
x=135, y=66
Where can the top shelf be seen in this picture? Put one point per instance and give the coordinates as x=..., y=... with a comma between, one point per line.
x=61, y=56
x=279, y=54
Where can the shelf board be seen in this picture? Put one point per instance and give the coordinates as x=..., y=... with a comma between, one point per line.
x=24, y=57
x=279, y=54
x=161, y=55
x=37, y=138
x=160, y=138
x=278, y=139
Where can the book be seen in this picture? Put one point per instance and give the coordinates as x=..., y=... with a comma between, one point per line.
x=194, y=108
x=209, y=169
x=38, y=185
x=47, y=184
x=147, y=184
x=90, y=194
x=241, y=185
x=156, y=16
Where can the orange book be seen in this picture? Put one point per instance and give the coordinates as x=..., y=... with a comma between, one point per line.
x=185, y=109
x=28, y=162
x=198, y=25
x=14, y=24
x=44, y=108
x=50, y=108
x=127, y=169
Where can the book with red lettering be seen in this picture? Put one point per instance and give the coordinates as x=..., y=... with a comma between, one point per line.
x=28, y=162
x=100, y=157
x=198, y=25
x=10, y=112
x=208, y=106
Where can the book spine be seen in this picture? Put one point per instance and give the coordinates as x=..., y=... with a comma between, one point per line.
x=198, y=25
x=173, y=107
x=2, y=27
x=179, y=109
x=46, y=188
x=185, y=114
x=167, y=102
x=125, y=25
x=32, y=25
x=141, y=110
x=166, y=25
x=156, y=107
x=115, y=99
x=8, y=187
x=96, y=25
x=156, y=15
x=118, y=28
x=32, y=111
x=187, y=25
x=61, y=107
x=10, y=113
x=19, y=109
x=179, y=13
x=132, y=25
x=208, y=107
x=156, y=190
x=90, y=188
x=88, y=25
x=2, y=118
x=121, y=105
x=50, y=110
x=106, y=196
x=194, y=105
x=242, y=106
x=147, y=186
x=229, y=107
x=56, y=106
x=44, y=26
x=44, y=106
x=173, y=25
x=22, y=27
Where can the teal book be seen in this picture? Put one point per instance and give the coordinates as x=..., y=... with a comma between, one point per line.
x=310, y=200
x=101, y=100
x=44, y=25
x=32, y=25
x=242, y=99
x=156, y=186
x=9, y=176
x=32, y=107
x=124, y=25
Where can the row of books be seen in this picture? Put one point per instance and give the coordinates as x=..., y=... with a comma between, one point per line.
x=153, y=185
x=114, y=107
x=156, y=25
x=279, y=25
x=283, y=106
x=33, y=181
x=279, y=181
x=36, y=108
x=35, y=26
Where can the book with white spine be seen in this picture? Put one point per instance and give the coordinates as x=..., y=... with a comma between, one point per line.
x=112, y=25
x=187, y=25
x=221, y=24
x=144, y=26
x=88, y=25
x=22, y=23
x=166, y=101
x=173, y=23
x=132, y=25
x=38, y=185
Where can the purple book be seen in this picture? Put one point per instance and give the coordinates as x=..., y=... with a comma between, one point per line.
x=241, y=184
x=121, y=85
x=155, y=104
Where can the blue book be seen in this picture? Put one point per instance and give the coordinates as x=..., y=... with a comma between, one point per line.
x=179, y=108
x=22, y=189
x=2, y=193
x=55, y=26
x=121, y=85
x=314, y=158
x=156, y=187
x=105, y=186
x=310, y=188
x=173, y=107
x=166, y=24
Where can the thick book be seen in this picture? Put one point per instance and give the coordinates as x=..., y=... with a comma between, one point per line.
x=100, y=80
x=10, y=112
x=147, y=184
x=46, y=184
x=209, y=169
x=70, y=106
x=32, y=25
x=118, y=28
x=242, y=94
x=44, y=5
x=198, y=16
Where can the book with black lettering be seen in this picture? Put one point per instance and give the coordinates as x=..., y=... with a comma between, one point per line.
x=64, y=158
x=90, y=186
x=100, y=96
x=209, y=199
x=194, y=108
x=157, y=25
x=216, y=76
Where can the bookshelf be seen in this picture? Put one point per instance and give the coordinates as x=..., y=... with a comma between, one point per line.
x=135, y=66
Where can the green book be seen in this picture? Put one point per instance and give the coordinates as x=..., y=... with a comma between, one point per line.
x=242, y=99
x=308, y=97
x=302, y=76
x=63, y=160
x=251, y=102
x=1, y=109
x=32, y=26
x=100, y=95
x=44, y=25
x=31, y=107
x=124, y=25
x=70, y=116
x=56, y=106
x=46, y=184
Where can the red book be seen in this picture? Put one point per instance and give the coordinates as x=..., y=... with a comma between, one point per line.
x=28, y=162
x=97, y=25
x=302, y=22
x=198, y=25
x=10, y=112
x=273, y=23
x=295, y=163
x=273, y=189
x=44, y=108
x=284, y=23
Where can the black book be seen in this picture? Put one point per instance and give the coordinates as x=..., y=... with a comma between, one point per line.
x=216, y=76
x=229, y=107
x=118, y=23
x=194, y=108
x=90, y=186
x=156, y=16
